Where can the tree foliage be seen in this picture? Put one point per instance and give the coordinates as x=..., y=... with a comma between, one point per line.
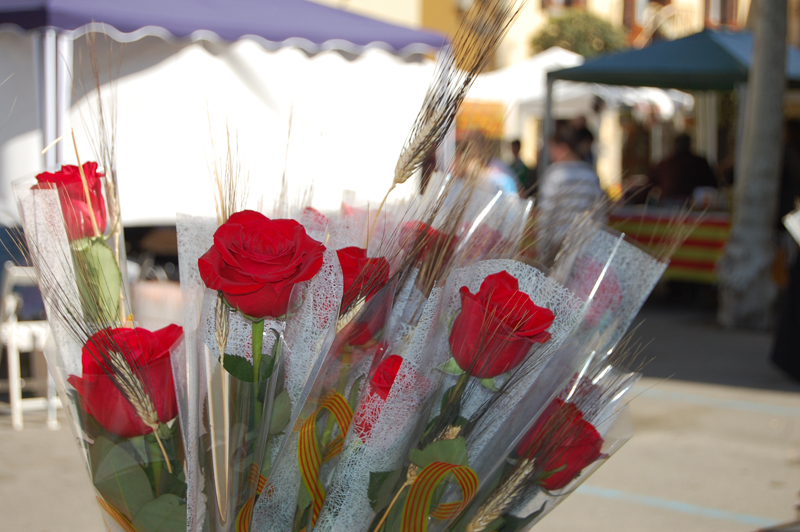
x=580, y=32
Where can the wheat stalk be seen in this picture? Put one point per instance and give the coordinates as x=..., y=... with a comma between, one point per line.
x=475, y=41
x=133, y=389
x=221, y=332
x=503, y=497
x=230, y=183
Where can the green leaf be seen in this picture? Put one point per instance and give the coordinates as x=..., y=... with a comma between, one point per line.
x=172, y=484
x=451, y=367
x=448, y=397
x=98, y=279
x=119, y=478
x=239, y=367
x=139, y=444
x=281, y=411
x=353, y=398
x=382, y=485
x=490, y=385
x=447, y=451
x=164, y=514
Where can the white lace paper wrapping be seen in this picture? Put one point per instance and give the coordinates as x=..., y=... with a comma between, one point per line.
x=630, y=268
x=346, y=230
x=393, y=422
x=40, y=211
x=307, y=330
x=240, y=332
x=545, y=292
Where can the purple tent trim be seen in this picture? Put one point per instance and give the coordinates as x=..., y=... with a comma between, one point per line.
x=286, y=22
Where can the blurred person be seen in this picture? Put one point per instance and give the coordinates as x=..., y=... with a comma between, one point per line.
x=520, y=169
x=474, y=160
x=584, y=141
x=570, y=187
x=675, y=178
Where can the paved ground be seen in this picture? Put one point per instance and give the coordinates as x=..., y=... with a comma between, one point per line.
x=716, y=447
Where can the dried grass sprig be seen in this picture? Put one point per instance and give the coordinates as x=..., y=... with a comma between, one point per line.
x=231, y=183
x=101, y=121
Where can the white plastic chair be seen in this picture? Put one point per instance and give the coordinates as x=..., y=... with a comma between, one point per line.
x=25, y=336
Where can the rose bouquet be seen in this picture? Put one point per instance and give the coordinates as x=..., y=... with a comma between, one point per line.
x=115, y=380
x=486, y=340
x=548, y=454
x=253, y=344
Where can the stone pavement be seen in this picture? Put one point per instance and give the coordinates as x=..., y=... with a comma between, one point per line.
x=716, y=447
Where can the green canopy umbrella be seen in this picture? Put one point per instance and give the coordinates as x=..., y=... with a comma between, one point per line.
x=706, y=61
x=709, y=60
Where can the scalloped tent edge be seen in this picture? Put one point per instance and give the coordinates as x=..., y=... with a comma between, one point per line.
x=408, y=52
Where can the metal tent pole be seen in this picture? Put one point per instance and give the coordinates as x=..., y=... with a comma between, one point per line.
x=48, y=101
x=63, y=92
x=548, y=130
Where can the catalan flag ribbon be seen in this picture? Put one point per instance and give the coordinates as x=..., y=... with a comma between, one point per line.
x=309, y=454
x=246, y=513
x=418, y=503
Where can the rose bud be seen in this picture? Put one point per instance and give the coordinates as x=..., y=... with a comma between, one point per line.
x=255, y=262
x=147, y=354
x=561, y=443
x=363, y=276
x=73, y=198
x=497, y=327
x=422, y=240
x=375, y=397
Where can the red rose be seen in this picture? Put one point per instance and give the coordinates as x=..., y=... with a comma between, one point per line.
x=73, y=199
x=562, y=443
x=147, y=354
x=362, y=276
x=378, y=392
x=497, y=327
x=255, y=262
x=422, y=240
x=363, y=330
x=608, y=296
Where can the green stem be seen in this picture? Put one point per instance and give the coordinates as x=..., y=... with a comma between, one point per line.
x=155, y=462
x=258, y=339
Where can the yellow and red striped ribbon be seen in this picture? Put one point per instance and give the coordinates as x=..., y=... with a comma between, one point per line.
x=246, y=513
x=417, y=506
x=309, y=455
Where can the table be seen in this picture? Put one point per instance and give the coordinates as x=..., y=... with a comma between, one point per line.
x=696, y=259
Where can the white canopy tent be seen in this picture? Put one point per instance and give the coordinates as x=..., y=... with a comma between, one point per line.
x=349, y=121
x=350, y=110
x=522, y=88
